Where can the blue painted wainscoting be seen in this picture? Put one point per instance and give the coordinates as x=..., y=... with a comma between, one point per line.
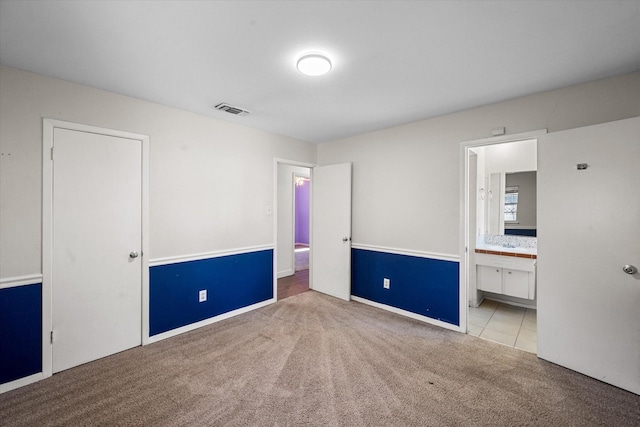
x=425, y=286
x=232, y=282
x=20, y=332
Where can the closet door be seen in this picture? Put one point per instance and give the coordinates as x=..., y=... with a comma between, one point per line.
x=96, y=246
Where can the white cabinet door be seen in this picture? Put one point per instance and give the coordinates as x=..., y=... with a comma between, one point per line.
x=490, y=279
x=516, y=283
x=589, y=228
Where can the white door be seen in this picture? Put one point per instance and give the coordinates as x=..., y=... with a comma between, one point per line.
x=97, y=228
x=589, y=228
x=331, y=230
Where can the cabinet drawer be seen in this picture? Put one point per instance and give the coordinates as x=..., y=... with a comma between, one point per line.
x=525, y=264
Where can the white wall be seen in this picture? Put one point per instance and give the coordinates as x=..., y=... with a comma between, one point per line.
x=285, y=217
x=406, y=179
x=210, y=180
x=510, y=157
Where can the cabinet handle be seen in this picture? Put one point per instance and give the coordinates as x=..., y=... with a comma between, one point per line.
x=509, y=272
x=497, y=271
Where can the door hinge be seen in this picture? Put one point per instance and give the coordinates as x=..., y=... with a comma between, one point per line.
x=51, y=153
x=51, y=337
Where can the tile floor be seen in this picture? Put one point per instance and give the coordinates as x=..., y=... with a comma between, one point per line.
x=504, y=324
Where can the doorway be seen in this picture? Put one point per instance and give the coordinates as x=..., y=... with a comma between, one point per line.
x=330, y=227
x=293, y=243
x=499, y=266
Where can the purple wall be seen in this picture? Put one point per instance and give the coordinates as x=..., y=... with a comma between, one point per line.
x=302, y=213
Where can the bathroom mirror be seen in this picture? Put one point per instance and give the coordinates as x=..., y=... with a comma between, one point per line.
x=511, y=203
x=512, y=166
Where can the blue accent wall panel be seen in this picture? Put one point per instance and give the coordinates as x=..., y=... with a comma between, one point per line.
x=20, y=332
x=232, y=282
x=424, y=286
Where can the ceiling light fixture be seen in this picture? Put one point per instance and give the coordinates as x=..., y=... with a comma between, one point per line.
x=314, y=64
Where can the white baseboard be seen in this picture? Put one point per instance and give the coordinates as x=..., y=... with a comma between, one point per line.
x=21, y=382
x=285, y=273
x=209, y=321
x=495, y=297
x=409, y=314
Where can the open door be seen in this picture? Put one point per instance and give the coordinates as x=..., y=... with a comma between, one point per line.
x=589, y=230
x=331, y=230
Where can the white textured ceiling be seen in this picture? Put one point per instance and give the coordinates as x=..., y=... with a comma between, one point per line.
x=394, y=62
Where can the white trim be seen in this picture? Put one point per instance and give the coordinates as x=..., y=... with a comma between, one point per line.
x=410, y=314
x=209, y=321
x=145, y=239
x=464, y=210
x=12, y=282
x=21, y=382
x=48, y=126
x=286, y=273
x=409, y=252
x=503, y=138
x=293, y=223
x=294, y=163
x=206, y=255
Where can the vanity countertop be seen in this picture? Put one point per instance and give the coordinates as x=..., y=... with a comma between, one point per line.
x=519, y=252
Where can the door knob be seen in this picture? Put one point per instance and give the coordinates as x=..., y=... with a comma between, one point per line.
x=133, y=254
x=630, y=269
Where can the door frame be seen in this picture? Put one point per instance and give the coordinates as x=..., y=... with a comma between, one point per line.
x=464, y=211
x=48, y=126
x=276, y=162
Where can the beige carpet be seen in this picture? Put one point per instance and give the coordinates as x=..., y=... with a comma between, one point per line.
x=315, y=360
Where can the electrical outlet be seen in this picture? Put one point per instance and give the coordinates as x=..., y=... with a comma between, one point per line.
x=386, y=283
x=202, y=295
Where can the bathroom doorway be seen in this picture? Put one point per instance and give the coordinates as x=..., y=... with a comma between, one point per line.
x=498, y=270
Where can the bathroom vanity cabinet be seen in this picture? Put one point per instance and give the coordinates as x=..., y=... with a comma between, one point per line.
x=507, y=275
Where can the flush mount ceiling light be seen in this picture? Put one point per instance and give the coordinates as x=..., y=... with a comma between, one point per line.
x=314, y=64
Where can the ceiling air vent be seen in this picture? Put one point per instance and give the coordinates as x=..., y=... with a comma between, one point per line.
x=231, y=109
